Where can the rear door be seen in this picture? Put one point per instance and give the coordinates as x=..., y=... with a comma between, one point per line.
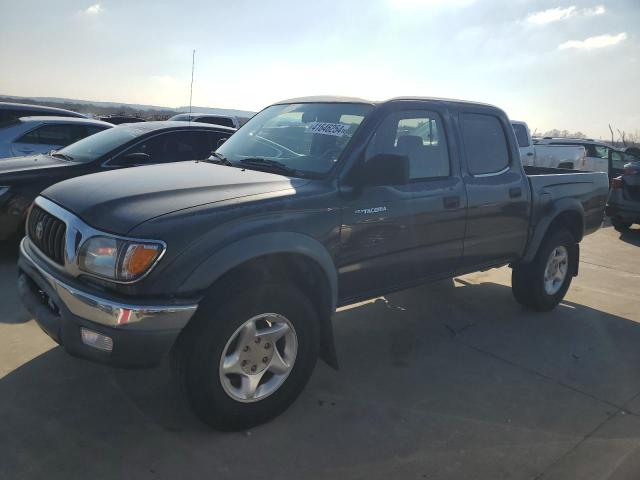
x=395, y=235
x=48, y=137
x=497, y=190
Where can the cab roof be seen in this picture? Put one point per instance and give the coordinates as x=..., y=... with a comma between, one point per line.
x=339, y=99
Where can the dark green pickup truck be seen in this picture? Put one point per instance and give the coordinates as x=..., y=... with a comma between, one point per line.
x=236, y=264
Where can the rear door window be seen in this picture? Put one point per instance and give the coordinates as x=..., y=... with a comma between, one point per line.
x=91, y=129
x=485, y=144
x=54, y=135
x=521, y=134
x=601, y=151
x=171, y=147
x=225, y=122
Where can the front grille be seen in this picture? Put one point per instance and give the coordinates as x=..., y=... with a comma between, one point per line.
x=47, y=233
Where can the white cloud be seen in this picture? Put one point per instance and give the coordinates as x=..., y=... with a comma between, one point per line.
x=597, y=10
x=551, y=15
x=556, y=14
x=403, y=4
x=94, y=9
x=591, y=43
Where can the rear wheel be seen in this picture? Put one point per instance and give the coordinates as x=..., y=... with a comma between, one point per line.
x=543, y=283
x=245, y=360
x=620, y=226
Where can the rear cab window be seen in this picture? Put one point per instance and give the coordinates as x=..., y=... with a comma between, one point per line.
x=485, y=144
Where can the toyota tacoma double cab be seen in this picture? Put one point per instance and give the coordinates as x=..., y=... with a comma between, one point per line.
x=235, y=265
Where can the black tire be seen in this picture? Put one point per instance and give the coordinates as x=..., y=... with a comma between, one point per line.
x=620, y=226
x=527, y=280
x=198, y=352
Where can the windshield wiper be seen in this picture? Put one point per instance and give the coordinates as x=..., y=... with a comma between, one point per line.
x=272, y=165
x=68, y=158
x=221, y=159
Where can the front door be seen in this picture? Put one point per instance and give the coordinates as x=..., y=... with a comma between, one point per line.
x=395, y=235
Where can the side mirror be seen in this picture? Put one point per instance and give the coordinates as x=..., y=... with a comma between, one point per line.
x=133, y=159
x=386, y=169
x=220, y=142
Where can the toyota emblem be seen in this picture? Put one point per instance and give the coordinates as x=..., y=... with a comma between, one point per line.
x=39, y=229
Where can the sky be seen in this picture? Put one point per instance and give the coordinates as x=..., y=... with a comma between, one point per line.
x=571, y=65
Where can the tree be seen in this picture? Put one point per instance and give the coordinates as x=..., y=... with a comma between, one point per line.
x=564, y=133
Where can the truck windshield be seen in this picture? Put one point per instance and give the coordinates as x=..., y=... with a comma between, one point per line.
x=306, y=138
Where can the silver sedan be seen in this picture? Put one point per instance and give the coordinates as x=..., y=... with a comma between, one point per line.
x=32, y=135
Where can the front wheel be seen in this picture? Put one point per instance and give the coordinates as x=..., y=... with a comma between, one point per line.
x=543, y=283
x=245, y=360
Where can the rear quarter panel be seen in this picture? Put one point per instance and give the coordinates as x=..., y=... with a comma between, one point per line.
x=555, y=193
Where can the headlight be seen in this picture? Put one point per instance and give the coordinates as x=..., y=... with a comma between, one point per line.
x=116, y=259
x=3, y=190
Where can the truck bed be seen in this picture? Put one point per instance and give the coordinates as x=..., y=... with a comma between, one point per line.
x=553, y=187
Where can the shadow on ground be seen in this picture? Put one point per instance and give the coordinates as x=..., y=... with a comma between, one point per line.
x=449, y=380
x=11, y=311
x=631, y=236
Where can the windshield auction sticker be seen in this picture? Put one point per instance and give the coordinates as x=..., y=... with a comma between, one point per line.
x=325, y=128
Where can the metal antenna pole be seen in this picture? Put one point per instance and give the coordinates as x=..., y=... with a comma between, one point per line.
x=193, y=63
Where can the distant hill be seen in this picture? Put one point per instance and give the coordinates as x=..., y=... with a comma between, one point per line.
x=149, y=112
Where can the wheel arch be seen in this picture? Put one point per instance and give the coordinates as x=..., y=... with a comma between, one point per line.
x=286, y=256
x=567, y=213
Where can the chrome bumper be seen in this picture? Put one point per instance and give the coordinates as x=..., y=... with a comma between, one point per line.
x=112, y=313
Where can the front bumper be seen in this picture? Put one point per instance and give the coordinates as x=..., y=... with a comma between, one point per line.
x=142, y=334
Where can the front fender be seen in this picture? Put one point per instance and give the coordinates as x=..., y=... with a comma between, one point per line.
x=260, y=245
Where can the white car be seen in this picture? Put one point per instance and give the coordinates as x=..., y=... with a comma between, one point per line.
x=551, y=156
x=32, y=135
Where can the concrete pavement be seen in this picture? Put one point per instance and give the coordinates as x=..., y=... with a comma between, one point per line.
x=448, y=380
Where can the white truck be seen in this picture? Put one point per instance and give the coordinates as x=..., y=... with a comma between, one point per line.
x=572, y=157
x=599, y=154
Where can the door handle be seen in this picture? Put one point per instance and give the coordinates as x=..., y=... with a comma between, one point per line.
x=451, y=202
x=530, y=154
x=515, y=192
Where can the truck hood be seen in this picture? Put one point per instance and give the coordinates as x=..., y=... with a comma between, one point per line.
x=117, y=201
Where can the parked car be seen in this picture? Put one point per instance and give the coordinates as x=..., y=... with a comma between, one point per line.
x=120, y=119
x=623, y=205
x=598, y=153
x=31, y=135
x=551, y=156
x=238, y=267
x=225, y=120
x=23, y=178
x=619, y=159
x=634, y=152
x=12, y=111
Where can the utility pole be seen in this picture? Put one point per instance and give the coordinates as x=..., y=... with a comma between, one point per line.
x=193, y=63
